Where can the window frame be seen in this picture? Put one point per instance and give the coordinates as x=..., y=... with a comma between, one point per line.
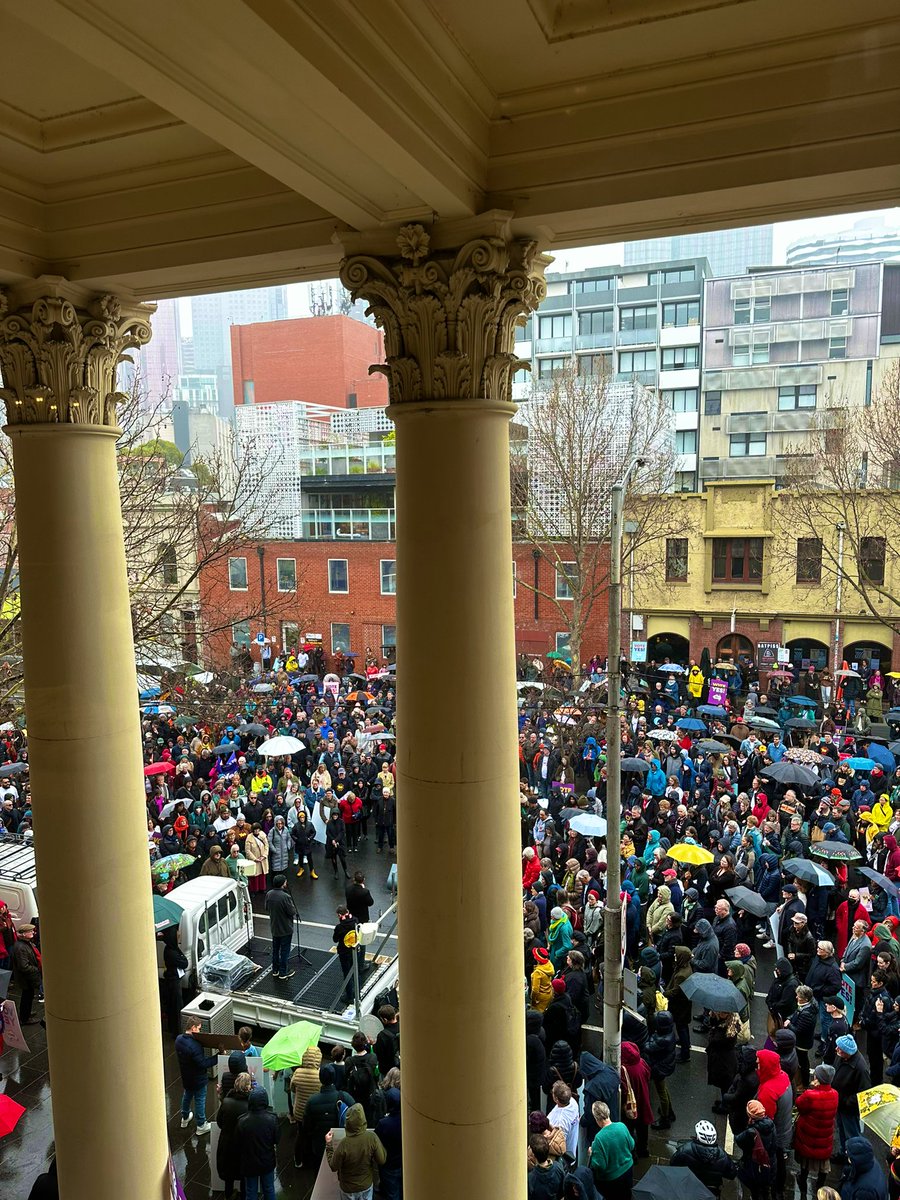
x=333, y=591
x=382, y=574
x=679, y=439
x=339, y=625
x=385, y=644
x=672, y=395
x=634, y=370
x=794, y=392
x=239, y=641
x=837, y=348
x=749, y=438
x=278, y=562
x=676, y=304
x=587, y=318
x=712, y=404
x=866, y=544
x=811, y=554
x=844, y=310
x=728, y=576
x=562, y=588
x=673, y=352
x=559, y=359
x=646, y=312
x=232, y=587
x=548, y=321
x=671, y=553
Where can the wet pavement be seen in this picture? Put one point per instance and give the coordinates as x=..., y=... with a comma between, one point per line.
x=25, y=1153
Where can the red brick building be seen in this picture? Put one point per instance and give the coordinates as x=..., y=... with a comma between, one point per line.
x=318, y=360
x=344, y=591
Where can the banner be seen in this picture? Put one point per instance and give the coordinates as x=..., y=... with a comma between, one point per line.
x=848, y=994
x=638, y=652
x=718, y=691
x=767, y=655
x=13, y=1038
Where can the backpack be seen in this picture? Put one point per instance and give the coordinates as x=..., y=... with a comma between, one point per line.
x=359, y=1080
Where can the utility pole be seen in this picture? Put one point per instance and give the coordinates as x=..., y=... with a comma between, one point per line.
x=612, y=913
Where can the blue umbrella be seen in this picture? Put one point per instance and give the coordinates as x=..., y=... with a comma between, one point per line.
x=691, y=724
x=803, y=701
x=149, y=693
x=674, y=667
x=712, y=710
x=882, y=880
x=861, y=764
x=882, y=756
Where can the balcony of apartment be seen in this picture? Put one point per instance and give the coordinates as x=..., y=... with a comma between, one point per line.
x=594, y=341
x=762, y=467
x=561, y=303
x=349, y=524
x=648, y=378
x=327, y=467
x=553, y=345
x=636, y=337
x=680, y=335
x=689, y=378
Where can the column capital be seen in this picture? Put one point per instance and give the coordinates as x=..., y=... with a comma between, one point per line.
x=60, y=348
x=448, y=301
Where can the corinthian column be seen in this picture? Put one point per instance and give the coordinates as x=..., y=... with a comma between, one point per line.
x=59, y=352
x=449, y=309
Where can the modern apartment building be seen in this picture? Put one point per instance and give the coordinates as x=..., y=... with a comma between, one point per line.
x=729, y=251
x=868, y=240
x=641, y=324
x=779, y=345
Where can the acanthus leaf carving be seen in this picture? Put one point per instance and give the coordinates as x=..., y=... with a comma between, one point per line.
x=449, y=316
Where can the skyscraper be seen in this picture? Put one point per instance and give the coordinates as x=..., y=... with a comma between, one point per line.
x=159, y=361
x=212, y=316
x=730, y=251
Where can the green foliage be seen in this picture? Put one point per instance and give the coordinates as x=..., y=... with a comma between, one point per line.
x=158, y=448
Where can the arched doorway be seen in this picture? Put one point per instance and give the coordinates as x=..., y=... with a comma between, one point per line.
x=668, y=647
x=733, y=648
x=876, y=654
x=807, y=652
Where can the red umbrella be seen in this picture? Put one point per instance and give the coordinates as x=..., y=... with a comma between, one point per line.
x=10, y=1112
x=159, y=768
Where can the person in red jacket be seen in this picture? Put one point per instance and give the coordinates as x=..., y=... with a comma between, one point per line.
x=635, y=1078
x=351, y=809
x=892, y=863
x=531, y=868
x=814, y=1128
x=848, y=913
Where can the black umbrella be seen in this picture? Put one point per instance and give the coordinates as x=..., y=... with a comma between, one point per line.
x=11, y=769
x=662, y=1183
x=791, y=774
x=252, y=728
x=358, y=677
x=802, y=868
x=835, y=851
x=763, y=711
x=894, y=747
x=882, y=880
x=713, y=992
x=711, y=746
x=640, y=765
x=750, y=901
x=308, y=679
x=225, y=748
x=799, y=723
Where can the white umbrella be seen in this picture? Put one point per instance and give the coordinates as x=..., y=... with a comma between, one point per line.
x=538, y=687
x=589, y=825
x=663, y=735
x=277, y=746
x=264, y=687
x=847, y=675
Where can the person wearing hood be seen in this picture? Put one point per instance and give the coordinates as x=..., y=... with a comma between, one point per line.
x=535, y=1056
x=304, y=1084
x=355, y=1157
x=561, y=1022
x=786, y=1047
x=659, y=910
x=601, y=1082
x=389, y=1134
x=561, y=1068
x=228, y=1150
x=632, y=904
x=541, y=979
x=679, y=1005
x=705, y=958
x=740, y=977
x=721, y=1053
x=257, y=1139
x=759, y=1152
x=635, y=1073
x=660, y=1053
x=655, y=779
x=579, y=1185
x=704, y=1157
x=695, y=682
x=863, y=1177
x=559, y=937
x=176, y=967
x=851, y=1076
x=322, y=1113
x=781, y=998
x=647, y=988
x=814, y=1128
x=744, y=1087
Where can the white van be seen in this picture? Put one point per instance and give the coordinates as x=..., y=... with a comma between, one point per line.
x=18, y=879
x=216, y=912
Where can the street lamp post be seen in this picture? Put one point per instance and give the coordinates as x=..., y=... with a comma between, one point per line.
x=612, y=914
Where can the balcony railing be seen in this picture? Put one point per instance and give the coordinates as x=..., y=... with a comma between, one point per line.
x=350, y=524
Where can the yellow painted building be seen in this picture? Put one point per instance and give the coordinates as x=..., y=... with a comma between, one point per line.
x=744, y=573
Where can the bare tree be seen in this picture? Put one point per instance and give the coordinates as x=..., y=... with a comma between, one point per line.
x=840, y=498
x=583, y=430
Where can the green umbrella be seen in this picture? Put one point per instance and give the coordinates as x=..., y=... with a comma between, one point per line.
x=166, y=913
x=170, y=864
x=879, y=1110
x=287, y=1047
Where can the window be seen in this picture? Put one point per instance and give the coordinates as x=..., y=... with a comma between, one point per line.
x=683, y=400
x=680, y=358
x=800, y=396
x=809, y=560
x=603, y=284
x=287, y=574
x=388, y=637
x=237, y=574
x=737, y=560
x=676, y=559
x=240, y=633
x=557, y=326
x=682, y=312
x=679, y=275
x=338, y=577
x=637, y=318
x=747, y=445
x=562, y=642
x=290, y=635
x=750, y=349
x=340, y=637
x=168, y=566
x=389, y=577
x=686, y=441
x=594, y=364
x=547, y=366
x=749, y=310
x=566, y=579
x=840, y=302
x=837, y=347
x=636, y=360
x=249, y=391
x=523, y=331
x=712, y=404
x=871, y=559
x=685, y=481
x=600, y=321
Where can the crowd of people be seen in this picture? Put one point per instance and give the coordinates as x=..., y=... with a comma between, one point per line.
x=729, y=854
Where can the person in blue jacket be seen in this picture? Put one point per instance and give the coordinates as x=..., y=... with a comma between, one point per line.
x=655, y=782
x=193, y=1064
x=863, y=1177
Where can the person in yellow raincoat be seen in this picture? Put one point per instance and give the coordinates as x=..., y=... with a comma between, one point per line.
x=695, y=682
x=879, y=819
x=541, y=979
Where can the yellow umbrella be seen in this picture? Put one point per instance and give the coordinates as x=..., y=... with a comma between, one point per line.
x=685, y=852
x=879, y=1109
x=893, y=674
